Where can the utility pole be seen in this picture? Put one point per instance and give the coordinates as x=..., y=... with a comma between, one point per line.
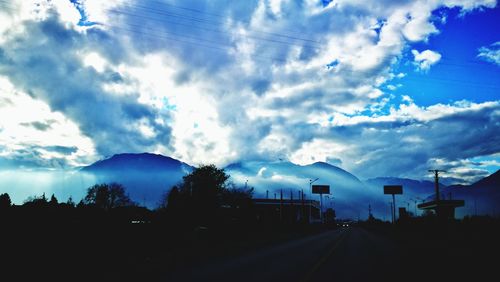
x=436, y=181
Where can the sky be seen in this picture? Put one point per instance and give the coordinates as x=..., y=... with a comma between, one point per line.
x=379, y=88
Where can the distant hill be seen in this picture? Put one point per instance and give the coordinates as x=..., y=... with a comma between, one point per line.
x=481, y=197
x=146, y=176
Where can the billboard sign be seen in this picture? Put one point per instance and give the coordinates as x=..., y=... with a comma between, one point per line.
x=321, y=189
x=393, y=189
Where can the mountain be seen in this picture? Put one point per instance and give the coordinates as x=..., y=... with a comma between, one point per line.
x=279, y=174
x=492, y=181
x=348, y=192
x=138, y=162
x=146, y=176
x=481, y=197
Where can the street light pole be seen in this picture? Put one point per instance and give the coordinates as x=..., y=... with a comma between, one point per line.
x=310, y=189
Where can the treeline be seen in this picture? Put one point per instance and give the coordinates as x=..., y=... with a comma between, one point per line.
x=204, y=198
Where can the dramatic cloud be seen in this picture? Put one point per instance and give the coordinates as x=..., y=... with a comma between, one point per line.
x=50, y=61
x=32, y=135
x=491, y=53
x=407, y=140
x=212, y=82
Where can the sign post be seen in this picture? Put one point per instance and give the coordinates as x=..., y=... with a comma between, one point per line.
x=321, y=189
x=393, y=190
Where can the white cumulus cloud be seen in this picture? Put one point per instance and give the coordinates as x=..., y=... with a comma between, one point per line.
x=425, y=59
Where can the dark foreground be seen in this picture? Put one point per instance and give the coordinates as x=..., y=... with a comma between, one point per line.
x=417, y=251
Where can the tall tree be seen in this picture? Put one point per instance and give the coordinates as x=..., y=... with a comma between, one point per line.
x=204, y=186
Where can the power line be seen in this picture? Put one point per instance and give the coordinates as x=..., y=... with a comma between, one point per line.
x=227, y=46
x=187, y=9
x=161, y=20
x=218, y=22
x=218, y=47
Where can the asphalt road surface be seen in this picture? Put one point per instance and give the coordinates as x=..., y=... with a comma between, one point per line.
x=347, y=254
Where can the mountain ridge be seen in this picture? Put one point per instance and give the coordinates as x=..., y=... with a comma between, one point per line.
x=152, y=175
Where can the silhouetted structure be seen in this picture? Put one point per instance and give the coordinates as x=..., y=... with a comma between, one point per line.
x=403, y=214
x=444, y=209
x=286, y=210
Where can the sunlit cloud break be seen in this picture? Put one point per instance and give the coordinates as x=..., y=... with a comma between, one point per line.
x=211, y=82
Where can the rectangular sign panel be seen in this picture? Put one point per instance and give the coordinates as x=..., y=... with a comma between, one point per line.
x=321, y=189
x=393, y=189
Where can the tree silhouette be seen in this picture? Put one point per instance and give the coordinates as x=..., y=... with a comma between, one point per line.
x=53, y=201
x=206, y=196
x=171, y=200
x=36, y=202
x=204, y=184
x=5, y=201
x=70, y=202
x=107, y=196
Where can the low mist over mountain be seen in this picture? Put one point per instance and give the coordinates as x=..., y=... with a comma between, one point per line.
x=349, y=194
x=146, y=176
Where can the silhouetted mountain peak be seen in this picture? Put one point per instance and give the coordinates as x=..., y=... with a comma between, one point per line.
x=141, y=162
x=330, y=167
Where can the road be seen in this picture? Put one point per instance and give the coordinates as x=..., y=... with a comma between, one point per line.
x=347, y=254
